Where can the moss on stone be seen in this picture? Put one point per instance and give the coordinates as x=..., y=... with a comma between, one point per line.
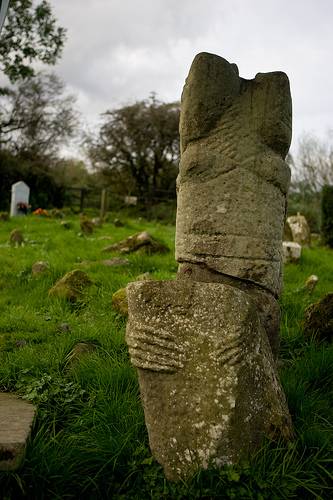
x=142, y=242
x=71, y=286
x=119, y=301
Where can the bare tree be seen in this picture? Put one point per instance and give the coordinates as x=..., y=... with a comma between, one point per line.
x=314, y=162
x=312, y=169
x=37, y=116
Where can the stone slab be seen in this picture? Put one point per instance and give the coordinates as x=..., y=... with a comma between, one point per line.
x=16, y=419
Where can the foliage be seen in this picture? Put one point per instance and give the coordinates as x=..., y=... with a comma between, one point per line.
x=89, y=439
x=38, y=175
x=71, y=172
x=52, y=393
x=327, y=215
x=30, y=35
x=138, y=146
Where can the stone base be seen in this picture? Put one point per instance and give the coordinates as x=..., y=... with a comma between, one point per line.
x=206, y=372
x=16, y=418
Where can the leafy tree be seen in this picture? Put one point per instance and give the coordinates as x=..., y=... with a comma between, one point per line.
x=30, y=35
x=37, y=117
x=139, y=144
x=327, y=215
x=45, y=191
x=71, y=172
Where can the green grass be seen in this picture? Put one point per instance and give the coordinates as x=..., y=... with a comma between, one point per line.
x=89, y=439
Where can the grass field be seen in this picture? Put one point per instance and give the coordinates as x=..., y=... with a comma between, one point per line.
x=89, y=439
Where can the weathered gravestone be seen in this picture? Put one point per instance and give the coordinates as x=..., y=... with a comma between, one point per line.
x=292, y=252
x=203, y=344
x=297, y=229
x=20, y=199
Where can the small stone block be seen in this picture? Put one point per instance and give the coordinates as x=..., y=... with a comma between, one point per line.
x=16, y=418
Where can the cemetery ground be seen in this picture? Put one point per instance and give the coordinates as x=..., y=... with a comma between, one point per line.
x=70, y=359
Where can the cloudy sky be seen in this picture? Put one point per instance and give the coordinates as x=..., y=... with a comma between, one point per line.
x=121, y=50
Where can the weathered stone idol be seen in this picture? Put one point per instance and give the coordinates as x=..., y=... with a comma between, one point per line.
x=204, y=344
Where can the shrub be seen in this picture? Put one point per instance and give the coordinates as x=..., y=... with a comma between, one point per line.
x=327, y=215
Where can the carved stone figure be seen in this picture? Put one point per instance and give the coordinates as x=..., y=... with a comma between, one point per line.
x=203, y=343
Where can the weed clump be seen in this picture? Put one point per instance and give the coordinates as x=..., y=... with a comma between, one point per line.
x=327, y=215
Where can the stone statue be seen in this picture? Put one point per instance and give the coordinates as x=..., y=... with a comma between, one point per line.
x=204, y=344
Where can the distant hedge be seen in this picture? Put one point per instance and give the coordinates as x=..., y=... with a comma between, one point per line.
x=327, y=215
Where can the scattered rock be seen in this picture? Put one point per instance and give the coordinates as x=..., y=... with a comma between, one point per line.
x=40, y=267
x=119, y=302
x=291, y=252
x=117, y=261
x=78, y=351
x=140, y=241
x=64, y=327
x=86, y=225
x=4, y=216
x=16, y=419
x=311, y=283
x=297, y=230
x=71, y=286
x=56, y=213
x=66, y=224
x=16, y=238
x=118, y=223
x=318, y=319
x=20, y=343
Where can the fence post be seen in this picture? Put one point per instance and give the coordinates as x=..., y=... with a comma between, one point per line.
x=104, y=201
x=82, y=195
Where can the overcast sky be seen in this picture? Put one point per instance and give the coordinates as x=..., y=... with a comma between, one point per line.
x=118, y=51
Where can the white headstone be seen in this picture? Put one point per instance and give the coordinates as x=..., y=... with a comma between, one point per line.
x=20, y=194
